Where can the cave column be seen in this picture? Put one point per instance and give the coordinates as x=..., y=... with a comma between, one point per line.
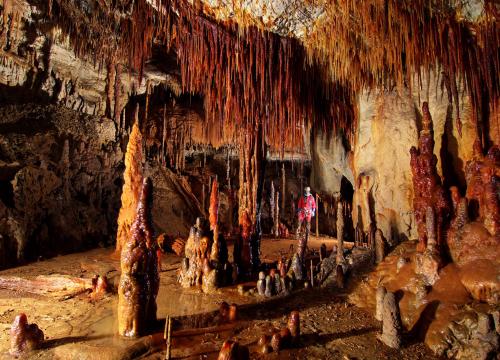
x=252, y=154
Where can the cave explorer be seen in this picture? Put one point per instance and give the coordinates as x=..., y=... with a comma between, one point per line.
x=306, y=210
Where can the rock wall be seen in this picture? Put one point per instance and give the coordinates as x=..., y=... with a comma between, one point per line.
x=60, y=175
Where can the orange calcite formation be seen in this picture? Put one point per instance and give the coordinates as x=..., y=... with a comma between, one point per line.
x=100, y=287
x=427, y=187
x=139, y=281
x=477, y=238
x=24, y=336
x=132, y=184
x=241, y=254
x=213, y=218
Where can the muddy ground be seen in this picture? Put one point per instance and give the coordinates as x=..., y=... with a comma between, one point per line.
x=76, y=328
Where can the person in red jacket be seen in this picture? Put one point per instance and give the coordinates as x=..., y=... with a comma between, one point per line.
x=306, y=211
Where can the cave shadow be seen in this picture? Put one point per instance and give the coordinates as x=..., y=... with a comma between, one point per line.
x=418, y=332
x=323, y=339
x=452, y=167
x=51, y=343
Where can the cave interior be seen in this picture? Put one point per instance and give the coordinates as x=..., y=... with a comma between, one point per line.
x=249, y=179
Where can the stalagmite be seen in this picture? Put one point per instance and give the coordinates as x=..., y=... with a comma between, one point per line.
x=23, y=336
x=232, y=350
x=428, y=191
x=272, y=206
x=429, y=262
x=269, y=287
x=139, y=280
x=277, y=216
x=294, y=327
x=214, y=218
x=391, y=326
x=131, y=185
x=379, y=246
x=340, y=233
x=283, y=186
x=379, y=302
x=276, y=342
x=339, y=276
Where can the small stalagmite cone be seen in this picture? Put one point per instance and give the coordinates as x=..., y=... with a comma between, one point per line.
x=233, y=312
x=282, y=268
x=224, y=310
x=286, y=336
x=261, y=283
x=269, y=286
x=264, y=340
x=391, y=322
x=340, y=276
x=381, y=291
x=231, y=350
x=294, y=326
x=276, y=342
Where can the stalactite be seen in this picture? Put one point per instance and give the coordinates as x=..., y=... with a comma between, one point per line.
x=132, y=183
x=248, y=76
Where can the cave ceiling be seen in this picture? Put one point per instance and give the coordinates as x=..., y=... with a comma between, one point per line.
x=284, y=65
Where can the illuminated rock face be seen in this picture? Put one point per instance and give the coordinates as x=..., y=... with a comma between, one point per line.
x=139, y=281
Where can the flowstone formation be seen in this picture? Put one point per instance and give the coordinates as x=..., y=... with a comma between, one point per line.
x=139, y=281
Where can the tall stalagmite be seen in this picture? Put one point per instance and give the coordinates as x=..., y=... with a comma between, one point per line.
x=214, y=218
x=139, y=280
x=131, y=185
x=427, y=185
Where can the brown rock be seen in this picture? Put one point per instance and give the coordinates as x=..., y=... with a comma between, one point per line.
x=480, y=278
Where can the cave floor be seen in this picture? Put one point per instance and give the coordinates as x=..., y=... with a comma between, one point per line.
x=54, y=294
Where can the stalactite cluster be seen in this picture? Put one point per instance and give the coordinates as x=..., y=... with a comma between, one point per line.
x=246, y=75
x=250, y=77
x=374, y=42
